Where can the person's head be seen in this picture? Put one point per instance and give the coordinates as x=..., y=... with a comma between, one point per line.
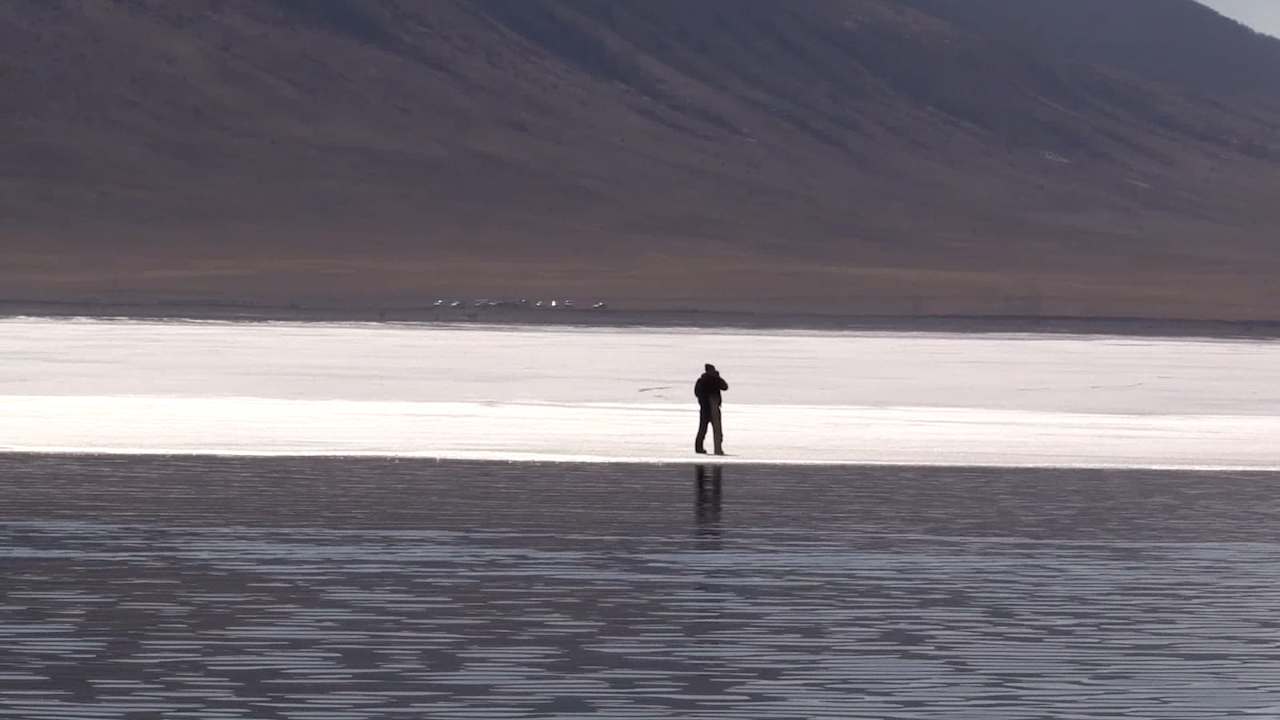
x=710, y=368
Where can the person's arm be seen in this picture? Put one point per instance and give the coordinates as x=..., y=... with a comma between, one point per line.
x=723, y=385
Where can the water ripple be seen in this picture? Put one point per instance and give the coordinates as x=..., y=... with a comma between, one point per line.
x=359, y=589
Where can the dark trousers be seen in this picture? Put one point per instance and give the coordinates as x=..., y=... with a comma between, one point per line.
x=709, y=414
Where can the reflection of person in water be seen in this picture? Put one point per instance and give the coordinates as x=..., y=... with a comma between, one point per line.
x=707, y=390
x=707, y=509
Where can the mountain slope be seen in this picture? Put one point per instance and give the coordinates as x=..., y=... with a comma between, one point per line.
x=1184, y=44
x=852, y=155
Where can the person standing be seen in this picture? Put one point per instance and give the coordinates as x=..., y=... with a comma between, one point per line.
x=707, y=390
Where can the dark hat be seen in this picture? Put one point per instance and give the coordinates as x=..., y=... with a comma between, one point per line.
x=710, y=367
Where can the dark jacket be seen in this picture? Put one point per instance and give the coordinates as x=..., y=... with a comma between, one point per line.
x=708, y=388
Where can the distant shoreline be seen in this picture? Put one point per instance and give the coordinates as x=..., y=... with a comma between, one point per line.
x=707, y=319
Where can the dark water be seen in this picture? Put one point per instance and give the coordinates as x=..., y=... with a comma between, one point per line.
x=353, y=589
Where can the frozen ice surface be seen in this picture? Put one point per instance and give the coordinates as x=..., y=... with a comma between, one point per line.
x=522, y=393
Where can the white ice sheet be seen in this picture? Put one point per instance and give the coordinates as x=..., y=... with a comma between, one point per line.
x=625, y=395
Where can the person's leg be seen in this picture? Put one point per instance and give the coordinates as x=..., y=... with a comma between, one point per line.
x=704, y=418
x=717, y=429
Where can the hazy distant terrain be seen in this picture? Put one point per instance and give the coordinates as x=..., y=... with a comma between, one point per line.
x=1083, y=157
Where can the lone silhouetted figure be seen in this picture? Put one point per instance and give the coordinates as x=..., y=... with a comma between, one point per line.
x=707, y=390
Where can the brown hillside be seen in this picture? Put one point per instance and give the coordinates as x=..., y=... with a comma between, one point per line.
x=929, y=156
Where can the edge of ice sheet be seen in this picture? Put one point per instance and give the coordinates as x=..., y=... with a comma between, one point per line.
x=619, y=460
x=634, y=433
